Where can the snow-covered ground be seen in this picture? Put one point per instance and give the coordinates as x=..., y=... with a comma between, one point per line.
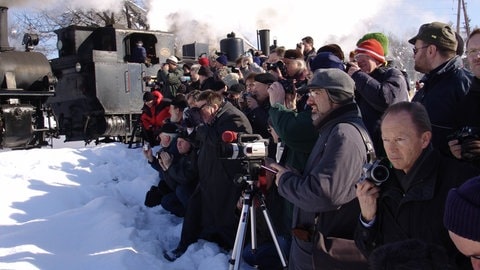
x=76, y=207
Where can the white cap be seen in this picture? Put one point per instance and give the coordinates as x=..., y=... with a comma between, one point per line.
x=172, y=59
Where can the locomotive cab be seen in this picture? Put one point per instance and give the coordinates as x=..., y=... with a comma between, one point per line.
x=149, y=41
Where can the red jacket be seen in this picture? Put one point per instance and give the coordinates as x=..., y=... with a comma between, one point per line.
x=154, y=117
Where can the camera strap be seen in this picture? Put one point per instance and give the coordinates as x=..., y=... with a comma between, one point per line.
x=371, y=156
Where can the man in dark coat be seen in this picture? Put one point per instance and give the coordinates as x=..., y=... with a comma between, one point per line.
x=210, y=213
x=411, y=203
x=445, y=83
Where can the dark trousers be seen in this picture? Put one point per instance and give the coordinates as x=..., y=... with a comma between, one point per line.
x=176, y=202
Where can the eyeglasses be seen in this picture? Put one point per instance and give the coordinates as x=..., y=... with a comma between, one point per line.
x=415, y=50
x=360, y=57
x=314, y=92
x=473, y=52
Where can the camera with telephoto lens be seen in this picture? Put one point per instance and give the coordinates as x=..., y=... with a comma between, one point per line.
x=280, y=65
x=376, y=172
x=247, y=146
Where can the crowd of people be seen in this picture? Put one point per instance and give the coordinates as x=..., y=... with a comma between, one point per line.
x=330, y=126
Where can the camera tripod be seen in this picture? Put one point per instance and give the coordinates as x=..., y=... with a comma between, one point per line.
x=248, y=208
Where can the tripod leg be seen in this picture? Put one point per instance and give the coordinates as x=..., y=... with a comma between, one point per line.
x=272, y=233
x=240, y=237
x=253, y=222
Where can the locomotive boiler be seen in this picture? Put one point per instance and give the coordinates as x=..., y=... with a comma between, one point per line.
x=26, y=82
x=100, y=87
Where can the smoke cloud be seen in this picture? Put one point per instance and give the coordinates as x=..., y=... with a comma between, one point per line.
x=339, y=21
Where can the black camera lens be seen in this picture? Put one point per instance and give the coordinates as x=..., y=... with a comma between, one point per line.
x=380, y=174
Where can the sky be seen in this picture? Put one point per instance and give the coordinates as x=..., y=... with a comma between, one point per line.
x=75, y=207
x=340, y=21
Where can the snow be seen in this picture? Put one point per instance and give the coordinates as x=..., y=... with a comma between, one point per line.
x=82, y=208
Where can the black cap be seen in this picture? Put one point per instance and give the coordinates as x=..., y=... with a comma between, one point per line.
x=148, y=96
x=266, y=78
x=236, y=88
x=169, y=128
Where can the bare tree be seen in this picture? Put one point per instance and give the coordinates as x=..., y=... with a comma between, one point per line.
x=45, y=22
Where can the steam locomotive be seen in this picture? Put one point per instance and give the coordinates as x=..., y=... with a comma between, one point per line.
x=93, y=91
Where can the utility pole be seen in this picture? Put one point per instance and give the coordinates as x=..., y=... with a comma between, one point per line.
x=463, y=6
x=466, y=19
x=458, y=16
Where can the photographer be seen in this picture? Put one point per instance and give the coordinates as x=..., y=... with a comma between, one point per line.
x=292, y=74
x=307, y=49
x=410, y=204
x=210, y=213
x=180, y=174
x=298, y=145
x=169, y=77
x=377, y=86
x=467, y=147
x=325, y=206
x=167, y=137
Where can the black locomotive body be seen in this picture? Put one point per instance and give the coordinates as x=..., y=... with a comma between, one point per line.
x=26, y=81
x=99, y=91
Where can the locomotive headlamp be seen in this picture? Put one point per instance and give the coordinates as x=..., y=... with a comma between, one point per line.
x=78, y=67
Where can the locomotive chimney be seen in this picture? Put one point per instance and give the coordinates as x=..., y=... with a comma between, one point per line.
x=4, y=46
x=264, y=36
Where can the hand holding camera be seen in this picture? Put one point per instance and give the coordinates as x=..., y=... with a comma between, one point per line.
x=367, y=194
x=147, y=152
x=164, y=159
x=352, y=67
x=455, y=148
x=465, y=143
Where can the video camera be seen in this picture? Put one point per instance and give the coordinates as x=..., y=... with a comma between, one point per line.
x=242, y=146
x=376, y=172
